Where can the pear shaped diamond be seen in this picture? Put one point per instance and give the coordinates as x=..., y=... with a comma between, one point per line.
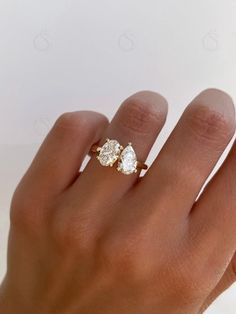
x=128, y=160
x=109, y=153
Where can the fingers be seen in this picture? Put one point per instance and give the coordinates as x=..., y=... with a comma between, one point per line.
x=59, y=158
x=213, y=218
x=138, y=120
x=190, y=153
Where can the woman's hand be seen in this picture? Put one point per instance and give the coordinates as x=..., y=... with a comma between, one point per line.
x=102, y=242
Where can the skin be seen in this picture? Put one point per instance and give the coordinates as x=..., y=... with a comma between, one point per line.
x=100, y=242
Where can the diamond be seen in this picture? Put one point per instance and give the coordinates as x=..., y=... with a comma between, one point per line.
x=128, y=160
x=109, y=153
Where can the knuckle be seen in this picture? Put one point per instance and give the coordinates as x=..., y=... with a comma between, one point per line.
x=124, y=261
x=140, y=116
x=26, y=214
x=209, y=125
x=71, y=235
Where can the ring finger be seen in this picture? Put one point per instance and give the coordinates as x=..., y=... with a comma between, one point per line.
x=139, y=120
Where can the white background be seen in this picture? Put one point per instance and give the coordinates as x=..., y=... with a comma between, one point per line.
x=58, y=55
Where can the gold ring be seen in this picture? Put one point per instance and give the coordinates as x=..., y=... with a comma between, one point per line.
x=112, y=152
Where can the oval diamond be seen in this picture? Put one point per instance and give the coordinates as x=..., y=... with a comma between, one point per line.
x=109, y=153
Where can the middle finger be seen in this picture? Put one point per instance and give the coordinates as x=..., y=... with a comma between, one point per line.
x=190, y=154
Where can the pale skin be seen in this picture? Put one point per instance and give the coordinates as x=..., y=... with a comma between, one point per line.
x=101, y=242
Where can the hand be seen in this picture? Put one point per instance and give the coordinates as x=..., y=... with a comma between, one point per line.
x=102, y=242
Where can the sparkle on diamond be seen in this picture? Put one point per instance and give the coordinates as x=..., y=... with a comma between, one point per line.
x=109, y=153
x=128, y=161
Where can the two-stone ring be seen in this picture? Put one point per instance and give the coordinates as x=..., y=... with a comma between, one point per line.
x=112, y=152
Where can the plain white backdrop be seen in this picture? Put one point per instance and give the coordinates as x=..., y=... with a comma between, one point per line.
x=58, y=55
